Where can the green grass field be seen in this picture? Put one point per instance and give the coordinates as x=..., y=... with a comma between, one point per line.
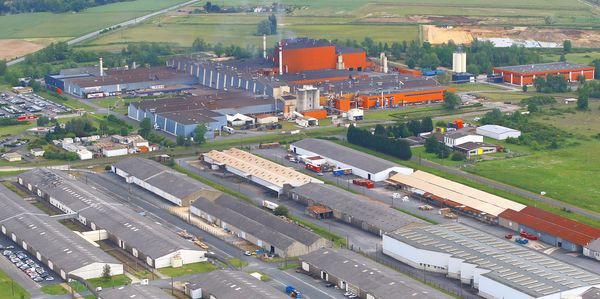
x=583, y=58
x=420, y=152
x=54, y=289
x=9, y=289
x=16, y=129
x=194, y=268
x=38, y=25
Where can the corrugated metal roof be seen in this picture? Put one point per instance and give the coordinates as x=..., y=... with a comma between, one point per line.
x=565, y=228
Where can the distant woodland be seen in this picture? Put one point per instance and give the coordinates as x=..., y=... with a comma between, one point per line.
x=22, y=6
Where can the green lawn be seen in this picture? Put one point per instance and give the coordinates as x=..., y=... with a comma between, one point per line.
x=194, y=268
x=289, y=266
x=117, y=104
x=583, y=58
x=54, y=289
x=116, y=280
x=70, y=102
x=9, y=289
x=476, y=87
x=238, y=263
x=420, y=152
x=16, y=129
x=321, y=231
x=38, y=25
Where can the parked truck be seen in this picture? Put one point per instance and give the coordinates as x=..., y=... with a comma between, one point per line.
x=293, y=292
x=342, y=171
x=313, y=167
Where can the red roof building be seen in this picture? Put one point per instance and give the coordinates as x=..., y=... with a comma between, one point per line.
x=526, y=74
x=550, y=228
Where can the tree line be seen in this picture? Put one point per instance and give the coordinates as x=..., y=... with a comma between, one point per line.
x=393, y=147
x=200, y=45
x=56, y=6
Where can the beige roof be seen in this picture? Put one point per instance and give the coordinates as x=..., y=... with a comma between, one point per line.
x=260, y=168
x=465, y=195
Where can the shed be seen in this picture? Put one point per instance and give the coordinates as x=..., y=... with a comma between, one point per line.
x=497, y=132
x=12, y=157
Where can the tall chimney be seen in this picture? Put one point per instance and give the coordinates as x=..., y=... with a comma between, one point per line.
x=280, y=59
x=385, y=64
x=265, y=46
x=101, y=67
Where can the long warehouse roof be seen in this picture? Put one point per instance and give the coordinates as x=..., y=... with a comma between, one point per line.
x=459, y=193
x=234, y=284
x=544, y=67
x=135, y=291
x=255, y=221
x=261, y=168
x=52, y=239
x=559, y=226
x=334, y=151
x=510, y=264
x=369, y=276
x=373, y=213
x=161, y=177
x=106, y=212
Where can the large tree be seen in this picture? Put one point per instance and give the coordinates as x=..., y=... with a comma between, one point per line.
x=199, y=133
x=451, y=100
x=145, y=127
x=273, y=23
x=264, y=28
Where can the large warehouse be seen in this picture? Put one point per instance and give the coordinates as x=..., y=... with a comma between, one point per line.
x=135, y=291
x=363, y=277
x=461, y=198
x=257, y=226
x=165, y=182
x=526, y=74
x=375, y=217
x=550, y=228
x=223, y=284
x=258, y=170
x=363, y=165
x=497, y=268
x=51, y=242
x=142, y=237
x=497, y=132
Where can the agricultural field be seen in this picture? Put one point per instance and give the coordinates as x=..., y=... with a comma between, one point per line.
x=568, y=174
x=583, y=58
x=28, y=32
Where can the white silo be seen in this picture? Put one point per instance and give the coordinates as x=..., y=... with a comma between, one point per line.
x=454, y=62
x=463, y=62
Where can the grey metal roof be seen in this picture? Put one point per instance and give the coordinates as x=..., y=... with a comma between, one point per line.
x=467, y=146
x=134, y=292
x=369, y=276
x=234, y=284
x=542, y=67
x=375, y=214
x=496, y=129
x=255, y=221
x=52, y=239
x=334, y=151
x=510, y=264
x=591, y=293
x=160, y=176
x=108, y=213
x=594, y=245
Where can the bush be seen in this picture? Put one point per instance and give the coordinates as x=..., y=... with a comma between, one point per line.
x=392, y=147
x=458, y=156
x=281, y=211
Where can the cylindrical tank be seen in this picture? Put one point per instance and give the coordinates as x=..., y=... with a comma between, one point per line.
x=463, y=62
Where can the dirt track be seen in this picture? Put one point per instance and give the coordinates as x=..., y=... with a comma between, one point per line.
x=11, y=48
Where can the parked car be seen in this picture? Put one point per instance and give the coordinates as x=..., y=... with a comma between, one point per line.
x=49, y=278
x=6, y=252
x=38, y=279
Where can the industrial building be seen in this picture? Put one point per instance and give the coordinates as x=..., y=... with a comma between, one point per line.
x=256, y=225
x=470, y=149
x=163, y=181
x=550, y=228
x=304, y=54
x=142, y=237
x=363, y=165
x=592, y=250
x=256, y=169
x=90, y=83
x=453, y=139
x=497, y=132
x=526, y=74
x=181, y=115
x=374, y=217
x=363, y=277
x=497, y=268
x=51, y=242
x=134, y=291
x=224, y=284
x=461, y=198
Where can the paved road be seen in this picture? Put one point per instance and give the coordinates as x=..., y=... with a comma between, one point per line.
x=142, y=200
x=122, y=24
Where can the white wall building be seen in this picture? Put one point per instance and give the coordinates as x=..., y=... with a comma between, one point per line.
x=497, y=268
x=458, y=138
x=497, y=132
x=363, y=165
x=307, y=98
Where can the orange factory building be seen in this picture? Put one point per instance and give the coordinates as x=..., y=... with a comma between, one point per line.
x=304, y=54
x=526, y=74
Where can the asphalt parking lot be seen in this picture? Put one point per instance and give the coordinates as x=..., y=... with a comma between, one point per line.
x=15, y=105
x=26, y=262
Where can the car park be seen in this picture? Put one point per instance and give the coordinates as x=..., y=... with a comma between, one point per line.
x=26, y=263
